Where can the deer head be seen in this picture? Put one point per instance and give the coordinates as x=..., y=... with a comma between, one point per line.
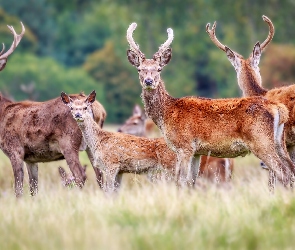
x=16, y=40
x=80, y=109
x=149, y=70
x=240, y=64
x=135, y=125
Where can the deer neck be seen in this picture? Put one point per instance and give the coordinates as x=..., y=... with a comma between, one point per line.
x=251, y=85
x=90, y=130
x=3, y=103
x=155, y=101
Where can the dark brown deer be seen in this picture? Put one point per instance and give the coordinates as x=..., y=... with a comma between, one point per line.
x=250, y=82
x=33, y=132
x=16, y=39
x=217, y=127
x=215, y=169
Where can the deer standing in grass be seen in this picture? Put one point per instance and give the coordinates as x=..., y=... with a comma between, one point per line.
x=250, y=82
x=116, y=153
x=215, y=169
x=219, y=127
x=33, y=132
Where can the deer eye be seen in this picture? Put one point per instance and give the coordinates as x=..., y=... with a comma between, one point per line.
x=159, y=69
x=71, y=108
x=85, y=108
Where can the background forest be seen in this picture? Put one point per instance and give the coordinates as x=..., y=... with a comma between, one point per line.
x=80, y=45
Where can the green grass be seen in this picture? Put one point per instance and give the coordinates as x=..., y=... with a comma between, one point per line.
x=242, y=215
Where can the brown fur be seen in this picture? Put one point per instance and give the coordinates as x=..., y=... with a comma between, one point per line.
x=221, y=128
x=35, y=132
x=212, y=168
x=249, y=80
x=115, y=152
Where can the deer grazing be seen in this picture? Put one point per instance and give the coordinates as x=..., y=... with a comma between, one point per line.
x=215, y=169
x=219, y=127
x=16, y=39
x=116, y=153
x=250, y=82
x=33, y=132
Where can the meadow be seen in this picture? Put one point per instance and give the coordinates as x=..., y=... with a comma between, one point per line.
x=241, y=215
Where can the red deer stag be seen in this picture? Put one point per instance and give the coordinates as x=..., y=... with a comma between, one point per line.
x=221, y=127
x=116, y=153
x=212, y=168
x=16, y=39
x=33, y=132
x=249, y=80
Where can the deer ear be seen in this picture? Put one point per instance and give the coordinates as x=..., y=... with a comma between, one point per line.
x=137, y=110
x=164, y=58
x=234, y=60
x=91, y=98
x=256, y=54
x=65, y=98
x=133, y=58
x=3, y=63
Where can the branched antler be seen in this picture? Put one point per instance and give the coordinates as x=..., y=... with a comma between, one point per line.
x=16, y=40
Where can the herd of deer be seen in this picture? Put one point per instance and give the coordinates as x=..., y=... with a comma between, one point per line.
x=200, y=135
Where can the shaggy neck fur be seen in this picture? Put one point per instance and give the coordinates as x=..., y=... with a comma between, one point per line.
x=89, y=128
x=155, y=102
x=250, y=85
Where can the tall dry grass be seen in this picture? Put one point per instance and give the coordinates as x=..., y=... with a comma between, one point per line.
x=242, y=215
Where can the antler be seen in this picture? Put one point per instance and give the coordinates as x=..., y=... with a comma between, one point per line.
x=15, y=42
x=211, y=33
x=270, y=34
x=133, y=46
x=166, y=44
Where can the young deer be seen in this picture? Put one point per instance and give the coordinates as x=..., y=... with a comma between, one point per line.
x=33, y=132
x=211, y=168
x=221, y=128
x=116, y=153
x=249, y=80
x=16, y=39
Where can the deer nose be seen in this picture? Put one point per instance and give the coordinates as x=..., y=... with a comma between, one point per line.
x=119, y=130
x=148, y=81
x=78, y=115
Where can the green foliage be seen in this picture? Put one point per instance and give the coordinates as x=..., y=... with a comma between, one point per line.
x=73, y=31
x=120, y=88
x=49, y=77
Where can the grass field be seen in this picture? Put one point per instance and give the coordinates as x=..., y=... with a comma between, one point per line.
x=142, y=215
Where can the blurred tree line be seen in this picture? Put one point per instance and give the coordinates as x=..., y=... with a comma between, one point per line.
x=80, y=45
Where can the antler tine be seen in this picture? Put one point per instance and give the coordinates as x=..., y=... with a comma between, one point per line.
x=17, y=38
x=270, y=34
x=133, y=45
x=211, y=33
x=166, y=44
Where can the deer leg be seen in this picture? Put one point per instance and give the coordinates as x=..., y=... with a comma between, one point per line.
x=97, y=171
x=18, y=172
x=110, y=179
x=118, y=181
x=184, y=168
x=195, y=167
x=33, y=177
x=72, y=159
